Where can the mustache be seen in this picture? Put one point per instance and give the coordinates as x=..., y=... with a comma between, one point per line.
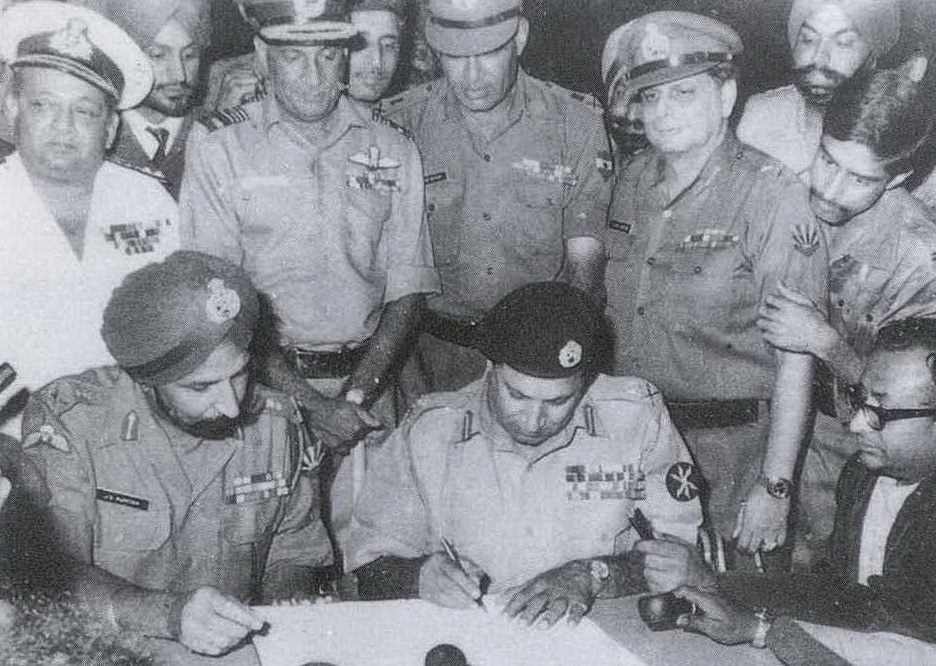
x=836, y=78
x=815, y=195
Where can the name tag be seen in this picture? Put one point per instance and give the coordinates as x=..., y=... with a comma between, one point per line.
x=617, y=225
x=435, y=178
x=113, y=497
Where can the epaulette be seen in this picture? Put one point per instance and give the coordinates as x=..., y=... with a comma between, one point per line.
x=631, y=389
x=587, y=100
x=224, y=117
x=145, y=169
x=378, y=117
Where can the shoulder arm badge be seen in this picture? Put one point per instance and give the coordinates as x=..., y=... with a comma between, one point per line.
x=806, y=239
x=47, y=434
x=684, y=481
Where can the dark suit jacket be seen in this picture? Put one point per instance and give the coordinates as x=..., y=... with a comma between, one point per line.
x=901, y=600
x=128, y=152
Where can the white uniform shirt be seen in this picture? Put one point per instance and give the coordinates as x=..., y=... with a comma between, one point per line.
x=52, y=302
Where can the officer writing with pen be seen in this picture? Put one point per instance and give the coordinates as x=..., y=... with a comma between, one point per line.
x=527, y=477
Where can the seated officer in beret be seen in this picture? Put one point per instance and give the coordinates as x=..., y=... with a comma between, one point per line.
x=184, y=484
x=881, y=575
x=73, y=224
x=702, y=229
x=527, y=476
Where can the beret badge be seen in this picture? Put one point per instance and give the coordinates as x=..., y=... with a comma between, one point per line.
x=570, y=355
x=655, y=44
x=223, y=303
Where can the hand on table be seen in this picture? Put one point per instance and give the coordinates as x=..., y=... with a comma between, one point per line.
x=762, y=521
x=793, y=322
x=717, y=617
x=212, y=623
x=443, y=582
x=670, y=562
x=565, y=590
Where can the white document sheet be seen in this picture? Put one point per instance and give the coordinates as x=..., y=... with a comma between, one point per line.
x=873, y=649
x=400, y=633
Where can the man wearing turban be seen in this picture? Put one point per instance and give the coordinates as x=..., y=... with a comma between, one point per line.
x=830, y=41
x=184, y=485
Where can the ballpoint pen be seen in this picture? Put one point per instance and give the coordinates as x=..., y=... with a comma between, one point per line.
x=453, y=556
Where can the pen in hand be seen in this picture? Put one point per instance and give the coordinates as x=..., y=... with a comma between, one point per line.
x=453, y=556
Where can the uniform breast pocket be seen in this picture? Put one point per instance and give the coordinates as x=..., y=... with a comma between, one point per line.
x=540, y=191
x=443, y=212
x=123, y=529
x=250, y=521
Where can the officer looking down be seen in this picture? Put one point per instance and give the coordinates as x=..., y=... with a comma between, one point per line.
x=177, y=477
x=529, y=474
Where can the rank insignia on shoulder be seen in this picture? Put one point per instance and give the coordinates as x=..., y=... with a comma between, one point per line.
x=130, y=429
x=224, y=117
x=806, y=239
x=47, y=435
x=553, y=173
x=684, y=481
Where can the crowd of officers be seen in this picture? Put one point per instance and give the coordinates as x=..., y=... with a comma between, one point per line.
x=695, y=329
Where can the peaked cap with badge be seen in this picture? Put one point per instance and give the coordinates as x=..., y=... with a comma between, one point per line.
x=665, y=46
x=166, y=318
x=544, y=329
x=299, y=22
x=471, y=27
x=77, y=41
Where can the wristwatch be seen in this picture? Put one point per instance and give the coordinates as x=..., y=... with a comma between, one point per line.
x=600, y=573
x=779, y=488
x=764, y=620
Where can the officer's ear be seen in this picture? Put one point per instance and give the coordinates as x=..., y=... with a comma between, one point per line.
x=260, y=58
x=523, y=32
x=729, y=95
x=110, y=131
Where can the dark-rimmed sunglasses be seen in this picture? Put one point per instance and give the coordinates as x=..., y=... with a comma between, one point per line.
x=878, y=417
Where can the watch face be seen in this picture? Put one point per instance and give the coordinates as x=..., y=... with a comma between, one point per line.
x=780, y=488
x=600, y=570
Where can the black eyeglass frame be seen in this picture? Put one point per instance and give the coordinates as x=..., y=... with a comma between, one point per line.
x=859, y=403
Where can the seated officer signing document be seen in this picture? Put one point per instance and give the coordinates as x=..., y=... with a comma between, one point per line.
x=526, y=478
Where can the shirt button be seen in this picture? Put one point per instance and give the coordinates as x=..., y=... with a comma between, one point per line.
x=640, y=309
x=651, y=261
x=487, y=157
x=486, y=216
x=841, y=302
x=430, y=207
x=697, y=270
x=667, y=214
x=490, y=270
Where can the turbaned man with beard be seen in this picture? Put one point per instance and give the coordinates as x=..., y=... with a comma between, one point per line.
x=176, y=477
x=830, y=42
x=174, y=34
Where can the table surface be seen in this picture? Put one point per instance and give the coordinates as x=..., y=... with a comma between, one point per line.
x=618, y=617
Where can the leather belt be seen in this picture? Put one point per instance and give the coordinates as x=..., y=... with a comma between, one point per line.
x=322, y=365
x=714, y=413
x=457, y=331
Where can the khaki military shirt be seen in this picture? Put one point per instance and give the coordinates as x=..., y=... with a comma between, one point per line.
x=781, y=124
x=500, y=210
x=450, y=471
x=330, y=232
x=133, y=495
x=686, y=277
x=883, y=268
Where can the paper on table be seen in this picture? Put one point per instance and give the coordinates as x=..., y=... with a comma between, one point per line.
x=873, y=649
x=400, y=633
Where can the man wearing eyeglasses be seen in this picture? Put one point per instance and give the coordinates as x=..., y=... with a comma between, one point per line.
x=882, y=244
x=881, y=575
